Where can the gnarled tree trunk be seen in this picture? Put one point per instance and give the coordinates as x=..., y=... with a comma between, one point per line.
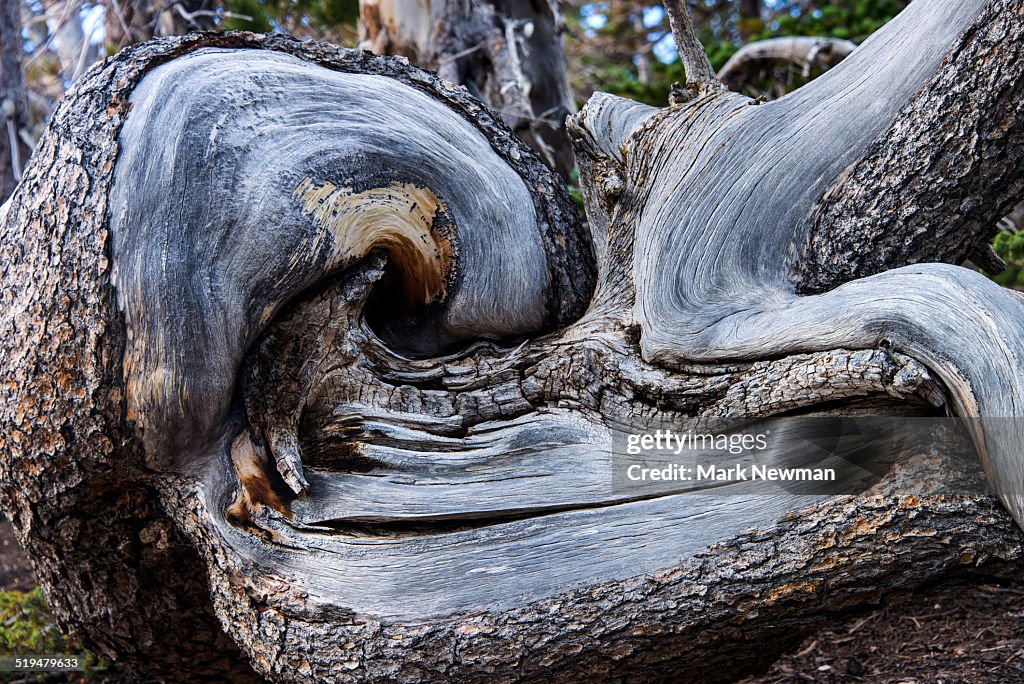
x=329, y=316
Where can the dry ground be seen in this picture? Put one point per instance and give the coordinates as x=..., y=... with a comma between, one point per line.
x=955, y=632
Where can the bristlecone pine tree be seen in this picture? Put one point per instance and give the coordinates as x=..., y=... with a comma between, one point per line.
x=310, y=366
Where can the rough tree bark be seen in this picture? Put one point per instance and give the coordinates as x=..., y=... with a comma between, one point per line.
x=508, y=54
x=316, y=322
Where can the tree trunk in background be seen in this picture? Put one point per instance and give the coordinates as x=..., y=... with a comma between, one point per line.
x=396, y=27
x=14, y=149
x=751, y=22
x=507, y=53
x=68, y=39
x=642, y=56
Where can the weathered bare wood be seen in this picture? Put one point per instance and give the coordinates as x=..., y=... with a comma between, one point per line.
x=457, y=184
x=691, y=52
x=710, y=288
x=375, y=389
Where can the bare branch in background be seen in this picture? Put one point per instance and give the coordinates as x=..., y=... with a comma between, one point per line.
x=803, y=50
x=691, y=52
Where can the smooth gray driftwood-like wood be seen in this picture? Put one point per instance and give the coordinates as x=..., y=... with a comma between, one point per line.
x=282, y=168
x=374, y=390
